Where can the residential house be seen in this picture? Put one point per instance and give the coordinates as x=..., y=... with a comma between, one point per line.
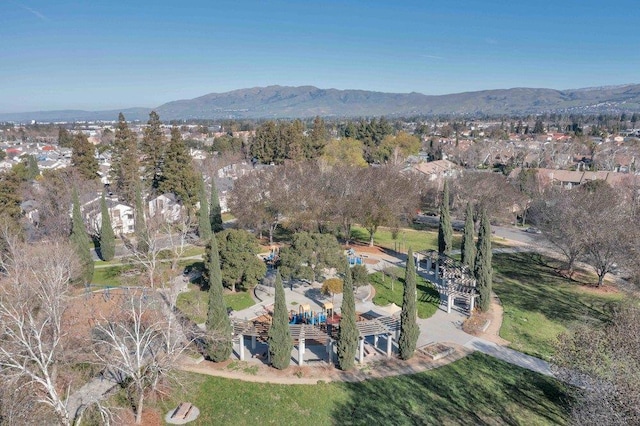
x=121, y=215
x=167, y=206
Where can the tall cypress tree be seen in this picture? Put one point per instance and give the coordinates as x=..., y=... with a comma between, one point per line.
x=140, y=225
x=215, y=213
x=483, y=270
x=177, y=175
x=347, y=333
x=152, y=149
x=83, y=157
x=80, y=242
x=468, y=248
x=124, y=172
x=280, y=343
x=445, y=230
x=204, y=226
x=409, y=330
x=220, y=345
x=107, y=238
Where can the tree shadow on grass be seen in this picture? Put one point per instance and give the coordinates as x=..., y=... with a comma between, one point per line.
x=475, y=390
x=529, y=283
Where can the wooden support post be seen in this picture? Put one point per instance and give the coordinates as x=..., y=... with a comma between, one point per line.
x=389, y=345
x=449, y=297
x=472, y=301
x=301, y=352
x=253, y=343
x=330, y=350
x=361, y=351
x=241, y=349
x=375, y=341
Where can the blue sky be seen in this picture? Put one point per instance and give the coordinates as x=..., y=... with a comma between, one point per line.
x=116, y=54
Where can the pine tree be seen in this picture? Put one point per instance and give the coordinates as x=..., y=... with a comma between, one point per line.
x=409, y=330
x=204, y=226
x=220, y=345
x=83, y=157
x=215, y=213
x=445, y=231
x=80, y=242
x=468, y=247
x=483, y=270
x=65, y=139
x=124, y=172
x=176, y=173
x=107, y=238
x=347, y=333
x=152, y=149
x=139, y=224
x=280, y=343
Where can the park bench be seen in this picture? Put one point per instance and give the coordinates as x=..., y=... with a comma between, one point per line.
x=183, y=411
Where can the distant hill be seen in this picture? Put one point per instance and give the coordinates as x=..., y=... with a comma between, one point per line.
x=309, y=101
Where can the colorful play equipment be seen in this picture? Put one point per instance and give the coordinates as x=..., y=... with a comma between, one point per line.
x=306, y=316
x=272, y=258
x=353, y=258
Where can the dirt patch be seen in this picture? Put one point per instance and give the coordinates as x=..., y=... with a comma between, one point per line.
x=487, y=324
x=362, y=248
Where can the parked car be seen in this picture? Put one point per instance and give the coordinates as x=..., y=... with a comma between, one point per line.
x=533, y=230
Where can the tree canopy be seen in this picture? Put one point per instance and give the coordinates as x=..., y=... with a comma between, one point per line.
x=239, y=263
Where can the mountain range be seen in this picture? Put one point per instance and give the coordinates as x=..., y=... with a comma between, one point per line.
x=309, y=101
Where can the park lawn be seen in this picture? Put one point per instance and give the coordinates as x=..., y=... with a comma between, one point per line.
x=417, y=240
x=111, y=275
x=194, y=303
x=539, y=304
x=477, y=389
x=428, y=297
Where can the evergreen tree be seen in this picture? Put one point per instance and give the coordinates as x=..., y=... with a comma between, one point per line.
x=152, y=149
x=80, y=242
x=107, y=238
x=83, y=157
x=280, y=343
x=468, y=247
x=409, y=330
x=139, y=224
x=176, y=174
x=483, y=270
x=445, y=230
x=215, y=213
x=347, y=333
x=204, y=226
x=220, y=345
x=124, y=173
x=65, y=139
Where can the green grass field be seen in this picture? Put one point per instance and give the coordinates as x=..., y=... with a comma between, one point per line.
x=389, y=290
x=477, y=389
x=417, y=240
x=539, y=304
x=194, y=303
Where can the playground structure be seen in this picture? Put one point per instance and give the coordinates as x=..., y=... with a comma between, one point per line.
x=353, y=258
x=272, y=258
x=306, y=316
x=451, y=278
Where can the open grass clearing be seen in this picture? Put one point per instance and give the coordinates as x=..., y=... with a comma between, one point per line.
x=477, y=389
x=389, y=287
x=194, y=303
x=539, y=304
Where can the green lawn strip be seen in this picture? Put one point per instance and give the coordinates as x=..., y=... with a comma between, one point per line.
x=428, y=297
x=539, y=304
x=477, y=389
x=417, y=240
x=112, y=275
x=194, y=303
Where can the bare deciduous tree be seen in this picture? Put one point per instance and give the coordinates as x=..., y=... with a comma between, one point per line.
x=139, y=346
x=33, y=293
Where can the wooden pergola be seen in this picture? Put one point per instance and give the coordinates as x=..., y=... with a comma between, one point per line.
x=452, y=278
x=376, y=328
x=300, y=333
